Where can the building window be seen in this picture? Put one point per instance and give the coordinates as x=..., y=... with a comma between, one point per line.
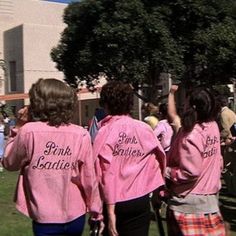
x=12, y=70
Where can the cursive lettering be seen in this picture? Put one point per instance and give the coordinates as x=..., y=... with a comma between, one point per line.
x=53, y=149
x=210, y=148
x=129, y=151
x=125, y=139
x=54, y=165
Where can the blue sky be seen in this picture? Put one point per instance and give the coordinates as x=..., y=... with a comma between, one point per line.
x=62, y=1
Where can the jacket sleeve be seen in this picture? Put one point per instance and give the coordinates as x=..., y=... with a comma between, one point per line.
x=104, y=170
x=190, y=163
x=15, y=155
x=88, y=180
x=107, y=179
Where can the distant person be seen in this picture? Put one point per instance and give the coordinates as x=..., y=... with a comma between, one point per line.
x=94, y=125
x=12, y=122
x=150, y=114
x=57, y=183
x=163, y=129
x=130, y=162
x=193, y=170
x=2, y=141
x=227, y=119
x=2, y=136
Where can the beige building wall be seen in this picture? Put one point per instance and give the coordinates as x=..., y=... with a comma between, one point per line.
x=37, y=44
x=29, y=29
x=13, y=51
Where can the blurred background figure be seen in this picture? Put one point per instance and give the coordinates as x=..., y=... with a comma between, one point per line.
x=227, y=119
x=2, y=140
x=163, y=129
x=94, y=124
x=150, y=112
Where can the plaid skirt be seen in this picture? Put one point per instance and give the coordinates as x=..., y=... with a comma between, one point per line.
x=182, y=224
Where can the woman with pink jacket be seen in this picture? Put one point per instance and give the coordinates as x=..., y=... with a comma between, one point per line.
x=130, y=162
x=193, y=170
x=163, y=129
x=57, y=183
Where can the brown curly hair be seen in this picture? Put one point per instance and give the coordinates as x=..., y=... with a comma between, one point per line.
x=117, y=98
x=51, y=101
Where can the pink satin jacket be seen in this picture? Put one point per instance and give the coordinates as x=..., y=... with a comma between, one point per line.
x=57, y=181
x=194, y=161
x=130, y=159
x=164, y=133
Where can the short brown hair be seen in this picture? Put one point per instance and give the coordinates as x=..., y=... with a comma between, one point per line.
x=51, y=100
x=117, y=97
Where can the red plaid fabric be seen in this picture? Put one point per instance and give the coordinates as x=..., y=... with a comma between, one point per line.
x=182, y=224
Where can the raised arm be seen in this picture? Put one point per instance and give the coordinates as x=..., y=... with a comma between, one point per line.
x=171, y=102
x=171, y=109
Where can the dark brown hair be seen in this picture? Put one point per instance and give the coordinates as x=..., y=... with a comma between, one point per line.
x=202, y=107
x=117, y=98
x=52, y=101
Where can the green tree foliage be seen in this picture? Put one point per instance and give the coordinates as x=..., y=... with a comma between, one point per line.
x=136, y=40
x=207, y=31
x=122, y=39
x=223, y=90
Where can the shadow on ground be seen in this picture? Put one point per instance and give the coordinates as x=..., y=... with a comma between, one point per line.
x=228, y=208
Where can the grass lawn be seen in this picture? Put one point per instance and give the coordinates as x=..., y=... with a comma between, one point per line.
x=13, y=223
